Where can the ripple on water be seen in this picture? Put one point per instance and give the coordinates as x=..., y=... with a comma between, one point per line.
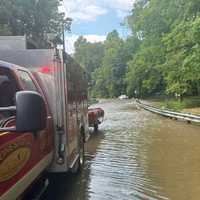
x=137, y=155
x=116, y=171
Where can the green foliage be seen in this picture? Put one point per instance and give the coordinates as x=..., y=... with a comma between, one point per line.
x=182, y=66
x=33, y=18
x=4, y=30
x=109, y=80
x=174, y=105
x=88, y=55
x=167, y=59
x=144, y=74
x=177, y=105
x=160, y=57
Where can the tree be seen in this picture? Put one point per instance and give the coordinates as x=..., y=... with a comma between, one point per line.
x=33, y=18
x=4, y=30
x=89, y=55
x=113, y=67
x=144, y=73
x=182, y=67
x=168, y=54
x=161, y=56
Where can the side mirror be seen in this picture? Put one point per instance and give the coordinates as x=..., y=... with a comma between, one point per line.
x=31, y=112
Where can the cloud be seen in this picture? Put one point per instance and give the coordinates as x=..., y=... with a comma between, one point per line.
x=124, y=5
x=120, y=6
x=89, y=10
x=85, y=10
x=69, y=43
x=95, y=38
x=90, y=13
x=70, y=40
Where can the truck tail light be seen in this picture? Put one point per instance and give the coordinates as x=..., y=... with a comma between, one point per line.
x=46, y=70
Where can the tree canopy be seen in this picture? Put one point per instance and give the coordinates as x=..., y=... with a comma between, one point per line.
x=33, y=18
x=160, y=57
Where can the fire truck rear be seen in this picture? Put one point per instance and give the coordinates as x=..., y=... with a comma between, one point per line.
x=43, y=117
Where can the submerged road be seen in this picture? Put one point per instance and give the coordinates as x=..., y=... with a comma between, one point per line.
x=135, y=155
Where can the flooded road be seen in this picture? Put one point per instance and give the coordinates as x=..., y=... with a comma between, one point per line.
x=136, y=155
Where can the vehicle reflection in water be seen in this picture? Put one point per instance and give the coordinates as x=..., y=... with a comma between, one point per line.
x=75, y=186
x=137, y=155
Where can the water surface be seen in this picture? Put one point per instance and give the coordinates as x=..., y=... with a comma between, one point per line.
x=136, y=155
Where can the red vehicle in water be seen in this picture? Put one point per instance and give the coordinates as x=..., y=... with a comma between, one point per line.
x=95, y=117
x=43, y=117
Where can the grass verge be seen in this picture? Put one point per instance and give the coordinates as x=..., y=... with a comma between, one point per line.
x=177, y=105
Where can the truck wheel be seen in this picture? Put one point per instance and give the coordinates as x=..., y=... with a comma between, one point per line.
x=96, y=127
x=82, y=151
x=80, y=162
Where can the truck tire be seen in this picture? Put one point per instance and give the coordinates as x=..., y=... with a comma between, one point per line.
x=96, y=126
x=80, y=162
x=82, y=151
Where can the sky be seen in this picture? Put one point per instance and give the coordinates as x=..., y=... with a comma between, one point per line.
x=94, y=19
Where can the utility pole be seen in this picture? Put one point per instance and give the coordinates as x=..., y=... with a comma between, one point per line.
x=63, y=36
x=63, y=31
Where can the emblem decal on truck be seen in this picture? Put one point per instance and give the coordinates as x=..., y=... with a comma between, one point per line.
x=13, y=157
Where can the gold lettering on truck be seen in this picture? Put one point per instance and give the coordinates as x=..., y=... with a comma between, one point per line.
x=13, y=157
x=14, y=163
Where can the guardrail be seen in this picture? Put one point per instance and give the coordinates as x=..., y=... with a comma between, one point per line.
x=171, y=114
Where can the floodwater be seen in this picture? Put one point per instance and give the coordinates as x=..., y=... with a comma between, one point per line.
x=135, y=155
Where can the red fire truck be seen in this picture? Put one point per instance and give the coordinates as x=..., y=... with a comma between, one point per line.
x=43, y=117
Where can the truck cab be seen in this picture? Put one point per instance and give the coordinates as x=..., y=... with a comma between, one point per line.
x=25, y=149
x=43, y=118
